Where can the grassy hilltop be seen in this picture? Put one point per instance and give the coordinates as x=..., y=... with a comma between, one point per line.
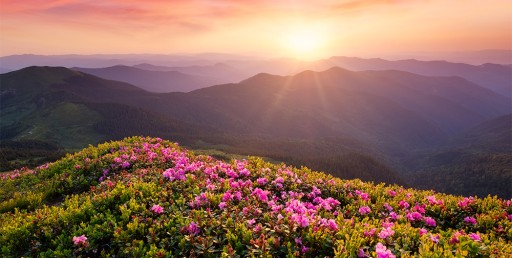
x=149, y=197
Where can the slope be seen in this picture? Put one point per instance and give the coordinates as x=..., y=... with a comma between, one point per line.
x=148, y=197
x=74, y=109
x=393, y=107
x=478, y=162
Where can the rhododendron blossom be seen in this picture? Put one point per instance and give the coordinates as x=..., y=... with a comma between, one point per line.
x=414, y=216
x=430, y=221
x=470, y=220
x=364, y=210
x=80, y=240
x=386, y=232
x=192, y=229
x=157, y=209
x=383, y=252
x=475, y=236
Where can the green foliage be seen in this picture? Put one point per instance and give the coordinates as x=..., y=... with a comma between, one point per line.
x=130, y=199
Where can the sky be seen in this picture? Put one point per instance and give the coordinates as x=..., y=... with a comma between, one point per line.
x=300, y=29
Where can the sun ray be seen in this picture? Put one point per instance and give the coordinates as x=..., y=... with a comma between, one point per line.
x=304, y=43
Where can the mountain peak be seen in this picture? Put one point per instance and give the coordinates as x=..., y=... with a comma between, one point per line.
x=261, y=78
x=45, y=73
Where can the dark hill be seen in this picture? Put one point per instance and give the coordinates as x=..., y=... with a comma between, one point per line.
x=477, y=162
x=376, y=105
x=74, y=109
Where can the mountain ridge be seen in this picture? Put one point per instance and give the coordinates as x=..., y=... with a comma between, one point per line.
x=383, y=125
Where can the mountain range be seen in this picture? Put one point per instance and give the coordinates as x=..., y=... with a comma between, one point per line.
x=371, y=124
x=154, y=81
x=233, y=68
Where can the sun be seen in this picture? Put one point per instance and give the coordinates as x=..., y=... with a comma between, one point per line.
x=304, y=44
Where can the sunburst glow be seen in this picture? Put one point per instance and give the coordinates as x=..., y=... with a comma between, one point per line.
x=304, y=44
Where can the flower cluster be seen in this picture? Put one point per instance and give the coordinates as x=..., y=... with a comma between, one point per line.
x=148, y=197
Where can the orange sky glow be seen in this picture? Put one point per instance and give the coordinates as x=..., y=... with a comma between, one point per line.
x=301, y=29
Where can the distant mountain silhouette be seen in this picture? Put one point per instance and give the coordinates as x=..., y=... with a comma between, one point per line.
x=222, y=72
x=497, y=78
x=223, y=68
x=15, y=62
x=154, y=81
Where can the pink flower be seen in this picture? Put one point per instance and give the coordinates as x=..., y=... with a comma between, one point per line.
x=423, y=231
x=261, y=194
x=382, y=251
x=455, y=237
x=369, y=233
x=361, y=253
x=386, y=232
x=173, y=174
x=470, y=220
x=414, y=216
x=278, y=180
x=433, y=201
x=251, y=222
x=80, y=240
x=301, y=220
x=364, y=210
x=475, y=236
x=430, y=221
x=157, y=209
x=125, y=164
x=387, y=224
x=419, y=208
x=364, y=196
x=465, y=202
x=245, y=172
x=332, y=225
x=238, y=195
x=262, y=181
x=435, y=238
x=227, y=196
x=192, y=229
x=391, y=193
x=222, y=205
x=393, y=215
x=403, y=204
